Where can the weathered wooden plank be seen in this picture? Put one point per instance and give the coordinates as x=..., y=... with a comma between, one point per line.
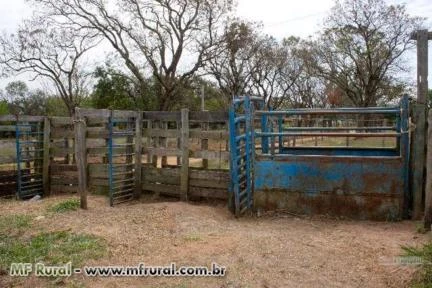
x=7, y=128
x=162, y=152
x=210, y=117
x=208, y=183
x=216, y=175
x=104, y=150
x=46, y=156
x=24, y=118
x=161, y=179
x=172, y=190
x=168, y=133
x=7, y=159
x=418, y=159
x=60, y=151
x=222, y=155
x=64, y=180
x=81, y=156
x=184, y=186
x=62, y=132
x=61, y=121
x=162, y=116
x=428, y=200
x=138, y=154
x=97, y=132
x=212, y=193
x=124, y=114
x=97, y=121
x=212, y=135
x=55, y=189
x=60, y=168
x=7, y=118
x=99, y=182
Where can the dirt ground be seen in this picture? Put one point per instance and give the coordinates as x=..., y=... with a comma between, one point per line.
x=269, y=251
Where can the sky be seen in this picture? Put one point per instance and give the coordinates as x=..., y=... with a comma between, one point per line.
x=281, y=18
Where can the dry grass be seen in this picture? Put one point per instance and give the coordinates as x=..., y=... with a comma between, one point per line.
x=276, y=251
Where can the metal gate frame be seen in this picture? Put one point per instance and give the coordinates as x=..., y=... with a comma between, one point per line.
x=121, y=166
x=320, y=177
x=29, y=152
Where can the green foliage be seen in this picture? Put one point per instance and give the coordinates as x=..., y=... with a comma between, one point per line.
x=21, y=100
x=14, y=224
x=56, y=107
x=424, y=276
x=65, y=206
x=115, y=90
x=51, y=248
x=4, y=107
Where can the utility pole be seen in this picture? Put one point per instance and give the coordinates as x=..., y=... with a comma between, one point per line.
x=419, y=117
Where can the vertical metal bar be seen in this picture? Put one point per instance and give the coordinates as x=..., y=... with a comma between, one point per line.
x=264, y=140
x=280, y=124
x=233, y=162
x=248, y=116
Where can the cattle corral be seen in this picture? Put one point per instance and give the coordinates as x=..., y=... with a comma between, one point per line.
x=161, y=157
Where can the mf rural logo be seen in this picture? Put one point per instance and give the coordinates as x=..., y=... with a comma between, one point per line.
x=42, y=270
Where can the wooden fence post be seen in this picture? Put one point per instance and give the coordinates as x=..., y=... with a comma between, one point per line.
x=184, y=184
x=428, y=202
x=46, y=156
x=138, y=154
x=81, y=156
x=419, y=142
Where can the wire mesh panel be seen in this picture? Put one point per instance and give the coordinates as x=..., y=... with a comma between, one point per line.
x=29, y=149
x=121, y=159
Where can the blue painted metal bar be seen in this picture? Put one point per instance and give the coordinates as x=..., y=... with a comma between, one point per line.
x=312, y=134
x=234, y=187
x=29, y=181
x=294, y=129
x=339, y=111
x=249, y=159
x=280, y=126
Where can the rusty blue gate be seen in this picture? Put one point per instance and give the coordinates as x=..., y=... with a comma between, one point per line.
x=350, y=162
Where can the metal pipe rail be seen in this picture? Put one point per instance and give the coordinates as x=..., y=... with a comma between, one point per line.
x=376, y=110
x=369, y=135
x=340, y=128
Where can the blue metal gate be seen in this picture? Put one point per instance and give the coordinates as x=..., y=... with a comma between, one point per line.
x=29, y=154
x=121, y=159
x=359, y=179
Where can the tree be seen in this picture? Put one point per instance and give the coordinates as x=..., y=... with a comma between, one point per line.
x=114, y=90
x=22, y=101
x=171, y=38
x=232, y=65
x=49, y=51
x=361, y=49
x=276, y=70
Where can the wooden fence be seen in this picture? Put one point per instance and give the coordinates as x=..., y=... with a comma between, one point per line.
x=180, y=154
